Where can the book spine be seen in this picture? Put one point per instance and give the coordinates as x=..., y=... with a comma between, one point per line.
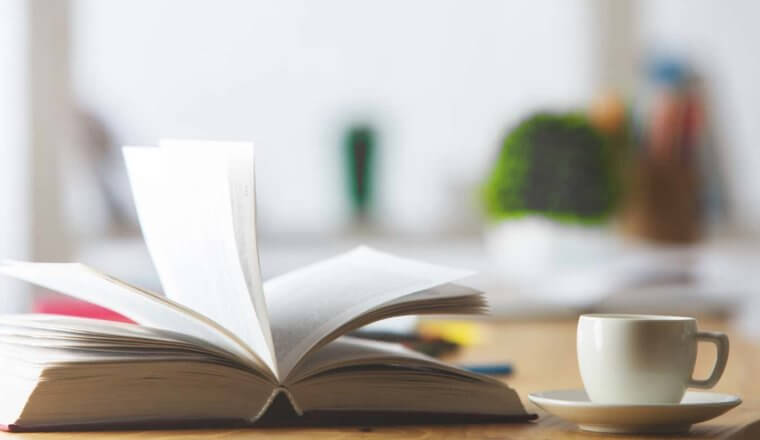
x=276, y=392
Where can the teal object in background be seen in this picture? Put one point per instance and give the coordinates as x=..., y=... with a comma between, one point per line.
x=555, y=165
x=360, y=150
x=490, y=369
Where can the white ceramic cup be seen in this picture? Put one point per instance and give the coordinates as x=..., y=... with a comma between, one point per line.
x=642, y=359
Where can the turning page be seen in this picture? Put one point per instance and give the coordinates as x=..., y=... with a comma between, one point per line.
x=196, y=205
x=307, y=305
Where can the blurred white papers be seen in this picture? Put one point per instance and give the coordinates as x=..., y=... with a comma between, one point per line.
x=543, y=265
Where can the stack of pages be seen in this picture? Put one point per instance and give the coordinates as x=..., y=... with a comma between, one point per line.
x=221, y=344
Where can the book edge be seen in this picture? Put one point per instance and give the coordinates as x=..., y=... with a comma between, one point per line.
x=311, y=419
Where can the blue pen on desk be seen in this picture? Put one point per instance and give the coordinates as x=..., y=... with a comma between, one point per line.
x=490, y=369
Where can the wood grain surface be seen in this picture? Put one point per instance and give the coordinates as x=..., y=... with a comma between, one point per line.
x=543, y=353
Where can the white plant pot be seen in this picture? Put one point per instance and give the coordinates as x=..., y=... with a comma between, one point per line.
x=529, y=251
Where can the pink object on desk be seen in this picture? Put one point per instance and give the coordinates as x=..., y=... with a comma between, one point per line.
x=71, y=307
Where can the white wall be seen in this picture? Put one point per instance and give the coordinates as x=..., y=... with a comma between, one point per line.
x=50, y=126
x=442, y=78
x=14, y=158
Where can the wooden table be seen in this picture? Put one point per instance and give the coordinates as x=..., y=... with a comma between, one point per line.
x=544, y=356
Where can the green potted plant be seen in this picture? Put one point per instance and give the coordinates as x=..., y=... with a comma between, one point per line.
x=549, y=195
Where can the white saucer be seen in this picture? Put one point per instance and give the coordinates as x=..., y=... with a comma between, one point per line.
x=574, y=406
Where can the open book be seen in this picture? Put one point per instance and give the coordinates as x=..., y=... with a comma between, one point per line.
x=221, y=345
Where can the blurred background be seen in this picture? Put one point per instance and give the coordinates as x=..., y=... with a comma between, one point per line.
x=583, y=155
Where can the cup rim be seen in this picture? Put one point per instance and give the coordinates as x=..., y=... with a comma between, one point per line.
x=636, y=317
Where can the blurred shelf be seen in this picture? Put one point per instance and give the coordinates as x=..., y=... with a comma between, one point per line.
x=713, y=277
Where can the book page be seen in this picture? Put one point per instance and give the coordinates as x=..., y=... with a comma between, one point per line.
x=141, y=306
x=348, y=351
x=309, y=304
x=196, y=204
x=239, y=161
x=355, y=374
x=108, y=334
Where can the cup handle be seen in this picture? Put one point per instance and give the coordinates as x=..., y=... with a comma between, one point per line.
x=721, y=344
